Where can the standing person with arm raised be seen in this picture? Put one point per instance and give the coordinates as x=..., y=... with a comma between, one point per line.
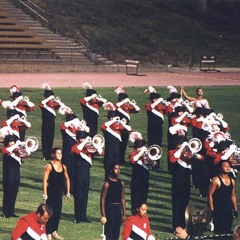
x=199, y=100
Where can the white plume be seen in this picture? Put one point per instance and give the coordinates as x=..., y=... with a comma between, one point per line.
x=45, y=86
x=109, y=106
x=135, y=136
x=150, y=89
x=14, y=88
x=65, y=110
x=86, y=85
x=172, y=89
x=119, y=89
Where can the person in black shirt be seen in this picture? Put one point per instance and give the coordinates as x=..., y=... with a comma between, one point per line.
x=55, y=179
x=113, y=204
x=222, y=199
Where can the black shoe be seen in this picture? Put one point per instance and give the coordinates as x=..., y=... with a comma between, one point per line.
x=14, y=215
x=85, y=221
x=76, y=221
x=6, y=216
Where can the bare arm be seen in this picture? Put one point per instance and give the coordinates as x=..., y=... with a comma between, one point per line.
x=46, y=172
x=67, y=182
x=123, y=200
x=103, y=198
x=233, y=196
x=213, y=186
x=186, y=96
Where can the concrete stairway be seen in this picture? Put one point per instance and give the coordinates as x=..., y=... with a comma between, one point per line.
x=24, y=39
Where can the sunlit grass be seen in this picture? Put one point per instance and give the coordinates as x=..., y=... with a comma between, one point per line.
x=222, y=99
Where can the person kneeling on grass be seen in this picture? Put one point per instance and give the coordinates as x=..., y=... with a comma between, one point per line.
x=32, y=225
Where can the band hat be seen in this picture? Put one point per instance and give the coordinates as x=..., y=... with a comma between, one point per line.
x=179, y=109
x=111, y=114
x=221, y=146
x=139, y=143
x=207, y=111
x=11, y=112
x=47, y=93
x=8, y=139
x=90, y=92
x=199, y=111
x=81, y=134
x=70, y=116
x=122, y=96
x=154, y=95
x=173, y=96
x=15, y=95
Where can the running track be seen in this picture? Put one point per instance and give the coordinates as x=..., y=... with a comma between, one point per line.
x=34, y=80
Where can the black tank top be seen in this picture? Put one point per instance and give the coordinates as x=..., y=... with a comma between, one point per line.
x=114, y=193
x=56, y=179
x=222, y=197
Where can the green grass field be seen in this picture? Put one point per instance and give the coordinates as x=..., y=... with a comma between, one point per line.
x=222, y=100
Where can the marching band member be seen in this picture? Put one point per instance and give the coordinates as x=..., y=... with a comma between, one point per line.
x=155, y=118
x=83, y=155
x=12, y=160
x=124, y=108
x=14, y=124
x=91, y=104
x=48, y=107
x=140, y=173
x=173, y=101
x=33, y=225
x=21, y=104
x=180, y=159
x=178, y=125
x=112, y=130
x=137, y=226
x=68, y=131
x=198, y=101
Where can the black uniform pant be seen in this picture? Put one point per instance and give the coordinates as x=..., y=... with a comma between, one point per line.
x=112, y=155
x=180, y=194
x=55, y=201
x=125, y=137
x=222, y=221
x=139, y=189
x=48, y=131
x=11, y=181
x=114, y=221
x=80, y=193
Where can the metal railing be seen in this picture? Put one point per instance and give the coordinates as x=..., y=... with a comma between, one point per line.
x=34, y=9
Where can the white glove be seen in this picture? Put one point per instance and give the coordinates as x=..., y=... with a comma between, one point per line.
x=44, y=197
x=68, y=196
